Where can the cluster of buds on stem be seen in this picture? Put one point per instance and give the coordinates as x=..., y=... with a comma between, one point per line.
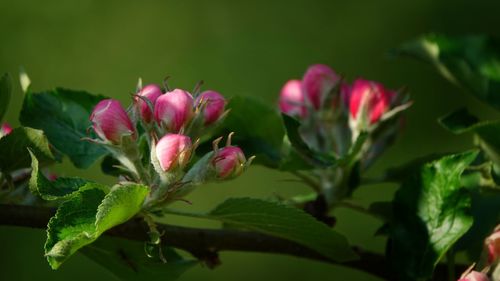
x=156, y=138
x=334, y=115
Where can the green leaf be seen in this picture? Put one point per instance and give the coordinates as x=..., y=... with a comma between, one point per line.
x=121, y=204
x=64, y=116
x=258, y=129
x=52, y=190
x=310, y=157
x=461, y=121
x=431, y=212
x=406, y=170
x=5, y=93
x=127, y=260
x=86, y=215
x=14, y=149
x=472, y=62
x=282, y=221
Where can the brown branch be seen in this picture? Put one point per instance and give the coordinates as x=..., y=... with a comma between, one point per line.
x=205, y=243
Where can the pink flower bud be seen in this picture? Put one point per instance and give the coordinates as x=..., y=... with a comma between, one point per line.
x=150, y=92
x=474, y=276
x=492, y=244
x=173, y=110
x=173, y=150
x=292, y=99
x=371, y=97
x=111, y=122
x=229, y=162
x=212, y=104
x=317, y=83
x=5, y=129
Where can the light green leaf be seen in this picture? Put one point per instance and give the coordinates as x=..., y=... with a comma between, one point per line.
x=5, y=93
x=472, y=62
x=52, y=190
x=431, y=212
x=14, y=149
x=86, y=215
x=64, y=116
x=127, y=260
x=120, y=205
x=282, y=221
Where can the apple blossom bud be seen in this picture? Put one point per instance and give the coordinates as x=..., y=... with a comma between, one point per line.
x=5, y=129
x=111, y=122
x=492, y=245
x=173, y=150
x=292, y=99
x=229, y=162
x=173, y=110
x=150, y=92
x=318, y=82
x=369, y=100
x=212, y=105
x=474, y=276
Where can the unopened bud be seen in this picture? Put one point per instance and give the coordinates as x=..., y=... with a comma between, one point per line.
x=173, y=150
x=173, y=110
x=147, y=94
x=212, y=105
x=229, y=162
x=318, y=82
x=368, y=101
x=292, y=99
x=111, y=122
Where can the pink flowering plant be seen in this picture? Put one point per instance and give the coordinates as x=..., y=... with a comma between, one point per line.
x=324, y=130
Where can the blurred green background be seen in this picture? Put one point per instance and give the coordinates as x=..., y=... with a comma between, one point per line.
x=237, y=48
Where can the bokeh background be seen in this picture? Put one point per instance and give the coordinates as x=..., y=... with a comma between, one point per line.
x=237, y=48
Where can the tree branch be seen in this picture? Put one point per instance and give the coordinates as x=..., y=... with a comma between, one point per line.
x=205, y=243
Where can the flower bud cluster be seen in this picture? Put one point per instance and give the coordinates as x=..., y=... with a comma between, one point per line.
x=171, y=122
x=333, y=112
x=349, y=122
